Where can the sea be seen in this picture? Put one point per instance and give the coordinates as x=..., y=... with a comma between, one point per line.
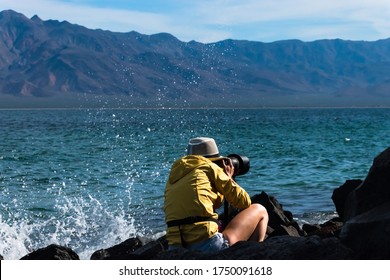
x=91, y=178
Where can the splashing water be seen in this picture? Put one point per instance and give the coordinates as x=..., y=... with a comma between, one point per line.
x=82, y=224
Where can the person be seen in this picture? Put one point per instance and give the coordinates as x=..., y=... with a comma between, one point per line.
x=195, y=188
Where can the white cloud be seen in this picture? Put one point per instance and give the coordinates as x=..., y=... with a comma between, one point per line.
x=252, y=11
x=92, y=17
x=210, y=21
x=303, y=19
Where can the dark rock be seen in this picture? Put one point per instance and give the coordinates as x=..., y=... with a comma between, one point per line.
x=288, y=214
x=277, y=216
x=311, y=229
x=275, y=248
x=180, y=254
x=132, y=249
x=367, y=212
x=1, y=257
x=340, y=195
x=369, y=233
x=328, y=229
x=300, y=231
x=151, y=249
x=121, y=251
x=52, y=252
x=375, y=189
x=285, y=230
x=280, y=221
x=270, y=230
x=304, y=248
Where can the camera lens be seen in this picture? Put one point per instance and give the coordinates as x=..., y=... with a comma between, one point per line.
x=241, y=164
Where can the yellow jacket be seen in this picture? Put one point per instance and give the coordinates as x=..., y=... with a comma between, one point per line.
x=196, y=187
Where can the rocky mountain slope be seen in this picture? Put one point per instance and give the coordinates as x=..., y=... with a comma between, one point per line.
x=42, y=60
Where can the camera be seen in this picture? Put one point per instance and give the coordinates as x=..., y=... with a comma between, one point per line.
x=240, y=163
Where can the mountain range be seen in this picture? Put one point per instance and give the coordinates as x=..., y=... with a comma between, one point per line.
x=53, y=63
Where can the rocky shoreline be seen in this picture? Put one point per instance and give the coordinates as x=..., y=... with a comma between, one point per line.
x=361, y=230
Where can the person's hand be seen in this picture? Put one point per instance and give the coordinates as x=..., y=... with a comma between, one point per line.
x=228, y=167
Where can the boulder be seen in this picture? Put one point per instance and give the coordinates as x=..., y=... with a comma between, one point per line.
x=132, y=249
x=373, y=191
x=275, y=248
x=366, y=226
x=277, y=216
x=151, y=249
x=368, y=234
x=340, y=195
x=120, y=251
x=52, y=252
x=284, y=230
x=330, y=228
x=281, y=222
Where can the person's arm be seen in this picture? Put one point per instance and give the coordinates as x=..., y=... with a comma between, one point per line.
x=226, y=185
x=218, y=201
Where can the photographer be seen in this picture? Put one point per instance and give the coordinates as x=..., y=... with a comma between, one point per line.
x=196, y=187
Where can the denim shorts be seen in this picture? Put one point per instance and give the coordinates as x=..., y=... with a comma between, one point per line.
x=210, y=245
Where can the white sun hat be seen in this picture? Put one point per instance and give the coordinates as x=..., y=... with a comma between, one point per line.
x=203, y=146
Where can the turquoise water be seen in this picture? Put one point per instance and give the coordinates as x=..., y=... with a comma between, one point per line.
x=91, y=178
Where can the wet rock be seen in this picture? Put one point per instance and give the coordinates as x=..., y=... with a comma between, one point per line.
x=330, y=228
x=132, y=249
x=340, y=195
x=151, y=249
x=52, y=252
x=120, y=251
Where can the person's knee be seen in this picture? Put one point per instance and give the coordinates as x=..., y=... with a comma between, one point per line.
x=259, y=209
x=261, y=212
x=231, y=237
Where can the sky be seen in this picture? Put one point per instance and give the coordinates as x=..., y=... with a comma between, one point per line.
x=210, y=21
